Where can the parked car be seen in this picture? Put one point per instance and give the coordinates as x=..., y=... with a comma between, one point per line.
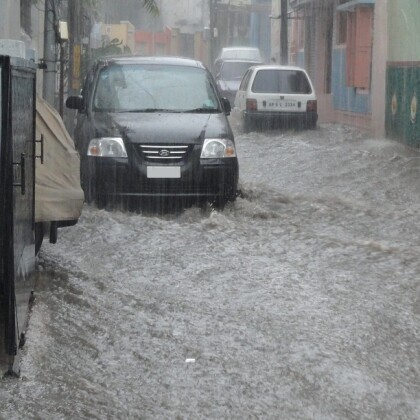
x=237, y=53
x=230, y=75
x=154, y=127
x=276, y=94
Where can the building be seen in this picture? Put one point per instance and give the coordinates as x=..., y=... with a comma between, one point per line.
x=403, y=72
x=333, y=40
x=364, y=59
x=123, y=32
x=24, y=21
x=244, y=23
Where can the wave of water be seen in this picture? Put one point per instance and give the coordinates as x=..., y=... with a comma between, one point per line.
x=299, y=300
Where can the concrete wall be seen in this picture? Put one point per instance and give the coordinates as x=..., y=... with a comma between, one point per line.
x=10, y=19
x=404, y=33
x=403, y=72
x=379, y=59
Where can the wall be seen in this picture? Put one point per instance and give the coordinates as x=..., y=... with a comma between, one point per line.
x=379, y=60
x=9, y=19
x=402, y=120
x=346, y=98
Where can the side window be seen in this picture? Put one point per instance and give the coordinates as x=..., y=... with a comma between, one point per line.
x=87, y=86
x=245, y=80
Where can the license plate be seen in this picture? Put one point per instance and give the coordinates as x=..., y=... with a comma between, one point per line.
x=163, y=172
x=281, y=104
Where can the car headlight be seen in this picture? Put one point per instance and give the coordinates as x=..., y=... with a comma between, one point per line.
x=218, y=148
x=107, y=147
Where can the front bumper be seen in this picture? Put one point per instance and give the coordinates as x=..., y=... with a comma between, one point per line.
x=118, y=179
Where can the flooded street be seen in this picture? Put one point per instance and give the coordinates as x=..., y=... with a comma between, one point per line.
x=299, y=301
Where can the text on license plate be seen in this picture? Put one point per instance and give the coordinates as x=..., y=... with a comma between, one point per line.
x=163, y=172
x=281, y=104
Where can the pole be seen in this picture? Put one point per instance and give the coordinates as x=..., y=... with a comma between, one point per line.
x=211, y=11
x=48, y=87
x=61, y=90
x=284, y=42
x=74, y=46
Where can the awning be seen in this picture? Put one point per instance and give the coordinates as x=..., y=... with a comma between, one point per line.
x=351, y=5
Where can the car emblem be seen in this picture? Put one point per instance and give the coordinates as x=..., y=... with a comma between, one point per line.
x=164, y=153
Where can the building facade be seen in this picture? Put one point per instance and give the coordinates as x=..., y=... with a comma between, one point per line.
x=403, y=72
x=343, y=44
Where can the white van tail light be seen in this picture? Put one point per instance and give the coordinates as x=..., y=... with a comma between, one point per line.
x=251, y=105
x=311, y=106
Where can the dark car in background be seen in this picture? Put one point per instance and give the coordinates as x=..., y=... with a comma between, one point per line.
x=230, y=74
x=154, y=127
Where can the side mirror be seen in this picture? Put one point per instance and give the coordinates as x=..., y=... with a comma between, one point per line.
x=226, y=106
x=75, y=102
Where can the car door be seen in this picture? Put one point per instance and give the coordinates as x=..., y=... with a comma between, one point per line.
x=240, y=99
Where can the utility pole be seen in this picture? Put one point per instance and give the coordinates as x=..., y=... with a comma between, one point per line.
x=284, y=41
x=75, y=46
x=50, y=59
x=212, y=25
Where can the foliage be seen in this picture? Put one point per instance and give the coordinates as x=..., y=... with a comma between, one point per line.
x=114, y=47
x=151, y=7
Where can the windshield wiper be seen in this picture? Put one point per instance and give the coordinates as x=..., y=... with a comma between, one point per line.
x=150, y=110
x=201, y=111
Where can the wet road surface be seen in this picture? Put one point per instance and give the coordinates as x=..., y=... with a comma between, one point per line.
x=301, y=300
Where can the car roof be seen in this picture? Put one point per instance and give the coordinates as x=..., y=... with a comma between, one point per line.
x=239, y=48
x=241, y=60
x=225, y=50
x=168, y=60
x=277, y=67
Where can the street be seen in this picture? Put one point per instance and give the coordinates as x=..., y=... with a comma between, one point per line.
x=301, y=300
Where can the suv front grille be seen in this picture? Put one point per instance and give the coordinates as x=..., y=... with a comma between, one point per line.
x=166, y=153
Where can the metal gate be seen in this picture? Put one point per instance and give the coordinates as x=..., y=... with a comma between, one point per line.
x=17, y=186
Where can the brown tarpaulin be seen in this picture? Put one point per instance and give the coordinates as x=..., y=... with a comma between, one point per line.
x=58, y=194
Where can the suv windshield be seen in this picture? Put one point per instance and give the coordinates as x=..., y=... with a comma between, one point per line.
x=241, y=54
x=151, y=87
x=234, y=70
x=281, y=81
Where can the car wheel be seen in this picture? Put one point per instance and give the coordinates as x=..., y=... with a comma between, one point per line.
x=311, y=123
x=249, y=124
x=101, y=201
x=87, y=184
x=39, y=236
x=229, y=195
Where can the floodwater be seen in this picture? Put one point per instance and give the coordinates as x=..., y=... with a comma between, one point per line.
x=299, y=301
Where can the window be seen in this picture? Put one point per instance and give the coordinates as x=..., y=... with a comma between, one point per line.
x=281, y=81
x=234, y=70
x=359, y=47
x=142, y=87
x=245, y=80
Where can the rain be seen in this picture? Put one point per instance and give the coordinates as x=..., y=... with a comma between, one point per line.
x=299, y=298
